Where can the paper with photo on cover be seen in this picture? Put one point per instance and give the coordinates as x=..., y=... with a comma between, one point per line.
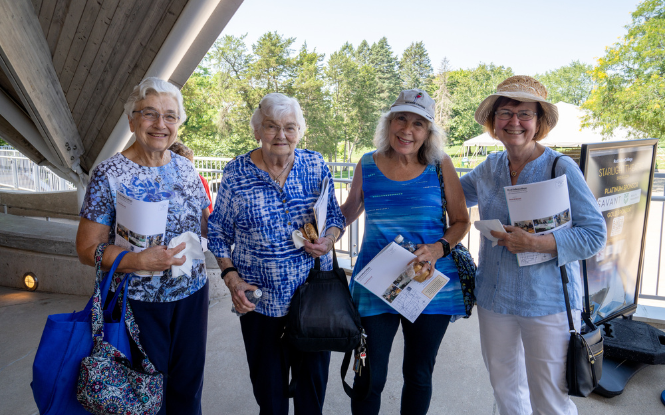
x=389, y=277
x=539, y=208
x=140, y=225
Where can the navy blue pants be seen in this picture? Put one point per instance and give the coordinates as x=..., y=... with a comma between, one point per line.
x=421, y=345
x=174, y=334
x=262, y=345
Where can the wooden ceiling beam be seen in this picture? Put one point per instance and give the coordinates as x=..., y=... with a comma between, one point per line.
x=132, y=55
x=66, y=39
x=26, y=60
x=94, y=22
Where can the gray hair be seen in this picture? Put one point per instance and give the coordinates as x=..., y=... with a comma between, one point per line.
x=277, y=107
x=155, y=86
x=429, y=153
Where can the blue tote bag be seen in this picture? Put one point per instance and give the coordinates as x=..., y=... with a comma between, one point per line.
x=66, y=340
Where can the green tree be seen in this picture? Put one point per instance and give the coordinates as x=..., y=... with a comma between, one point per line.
x=415, y=67
x=468, y=87
x=630, y=80
x=353, y=89
x=200, y=131
x=439, y=91
x=571, y=83
x=385, y=63
x=308, y=86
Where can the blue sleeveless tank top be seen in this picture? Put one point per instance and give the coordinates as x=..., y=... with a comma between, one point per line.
x=412, y=209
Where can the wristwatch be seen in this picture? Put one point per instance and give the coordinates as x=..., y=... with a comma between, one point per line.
x=446, y=247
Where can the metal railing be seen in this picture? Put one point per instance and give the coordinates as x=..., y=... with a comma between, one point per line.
x=21, y=173
x=18, y=172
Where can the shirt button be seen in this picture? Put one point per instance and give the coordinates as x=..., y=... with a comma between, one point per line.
x=284, y=201
x=289, y=223
x=287, y=211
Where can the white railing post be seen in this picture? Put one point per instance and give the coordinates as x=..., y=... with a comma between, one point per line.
x=14, y=164
x=35, y=177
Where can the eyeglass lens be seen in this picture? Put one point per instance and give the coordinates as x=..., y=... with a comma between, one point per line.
x=154, y=116
x=273, y=129
x=524, y=115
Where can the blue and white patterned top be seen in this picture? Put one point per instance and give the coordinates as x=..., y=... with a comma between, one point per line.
x=258, y=216
x=506, y=288
x=411, y=208
x=177, y=182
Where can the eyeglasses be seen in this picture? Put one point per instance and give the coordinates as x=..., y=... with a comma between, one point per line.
x=524, y=115
x=272, y=130
x=152, y=115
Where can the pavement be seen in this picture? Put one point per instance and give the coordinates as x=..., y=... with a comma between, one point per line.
x=461, y=384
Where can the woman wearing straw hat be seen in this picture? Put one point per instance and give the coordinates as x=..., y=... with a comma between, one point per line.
x=521, y=310
x=398, y=188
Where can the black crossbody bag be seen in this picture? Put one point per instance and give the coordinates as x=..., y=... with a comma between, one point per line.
x=322, y=317
x=584, y=366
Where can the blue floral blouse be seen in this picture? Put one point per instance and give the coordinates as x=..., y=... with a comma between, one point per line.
x=258, y=216
x=177, y=182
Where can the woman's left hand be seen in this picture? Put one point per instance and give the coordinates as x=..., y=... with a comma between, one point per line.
x=515, y=239
x=322, y=246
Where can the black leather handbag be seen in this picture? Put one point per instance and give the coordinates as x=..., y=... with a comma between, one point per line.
x=322, y=317
x=584, y=366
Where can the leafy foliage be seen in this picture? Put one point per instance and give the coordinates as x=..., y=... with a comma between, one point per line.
x=571, y=84
x=415, y=67
x=468, y=88
x=630, y=80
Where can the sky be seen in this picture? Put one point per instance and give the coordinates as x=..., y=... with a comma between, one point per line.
x=531, y=37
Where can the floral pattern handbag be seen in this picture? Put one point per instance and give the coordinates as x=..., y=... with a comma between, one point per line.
x=107, y=382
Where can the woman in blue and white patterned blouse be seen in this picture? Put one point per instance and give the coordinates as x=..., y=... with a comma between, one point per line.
x=171, y=311
x=266, y=195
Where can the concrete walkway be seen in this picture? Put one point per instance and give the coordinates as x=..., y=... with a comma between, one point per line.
x=461, y=384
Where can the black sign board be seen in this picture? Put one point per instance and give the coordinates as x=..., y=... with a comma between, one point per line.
x=620, y=175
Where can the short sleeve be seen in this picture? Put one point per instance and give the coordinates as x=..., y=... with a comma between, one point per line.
x=98, y=205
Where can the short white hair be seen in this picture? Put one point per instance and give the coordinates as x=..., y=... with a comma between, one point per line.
x=277, y=107
x=154, y=85
x=429, y=153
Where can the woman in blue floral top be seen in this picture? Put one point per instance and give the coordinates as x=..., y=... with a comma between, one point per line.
x=266, y=195
x=171, y=311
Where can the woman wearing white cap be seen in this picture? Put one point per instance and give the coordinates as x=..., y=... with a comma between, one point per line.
x=521, y=310
x=398, y=188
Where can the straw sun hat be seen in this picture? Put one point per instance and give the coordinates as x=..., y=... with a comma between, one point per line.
x=520, y=88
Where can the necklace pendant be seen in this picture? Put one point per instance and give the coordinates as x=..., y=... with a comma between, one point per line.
x=513, y=173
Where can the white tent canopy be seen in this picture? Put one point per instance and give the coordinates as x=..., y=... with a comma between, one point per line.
x=567, y=133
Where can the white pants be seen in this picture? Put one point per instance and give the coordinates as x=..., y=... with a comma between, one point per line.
x=526, y=361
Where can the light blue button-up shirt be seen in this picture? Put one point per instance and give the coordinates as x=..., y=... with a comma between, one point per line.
x=506, y=288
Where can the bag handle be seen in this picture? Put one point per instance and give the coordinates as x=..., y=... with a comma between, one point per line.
x=317, y=262
x=363, y=391
x=127, y=313
x=565, y=280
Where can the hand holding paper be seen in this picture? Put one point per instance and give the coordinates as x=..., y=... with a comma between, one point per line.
x=485, y=226
x=193, y=250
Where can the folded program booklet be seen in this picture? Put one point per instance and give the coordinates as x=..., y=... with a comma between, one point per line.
x=387, y=277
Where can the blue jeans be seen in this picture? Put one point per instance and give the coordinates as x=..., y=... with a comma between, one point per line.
x=421, y=345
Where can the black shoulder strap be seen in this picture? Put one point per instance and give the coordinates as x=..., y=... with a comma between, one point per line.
x=586, y=313
x=439, y=174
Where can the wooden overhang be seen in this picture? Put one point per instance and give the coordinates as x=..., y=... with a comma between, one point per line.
x=67, y=67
